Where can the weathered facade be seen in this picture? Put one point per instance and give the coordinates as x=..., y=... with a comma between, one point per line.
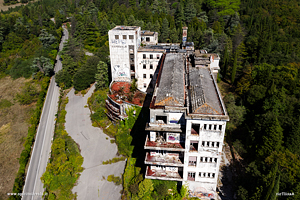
x=187, y=126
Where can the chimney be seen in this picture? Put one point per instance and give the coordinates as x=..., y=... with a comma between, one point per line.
x=184, y=36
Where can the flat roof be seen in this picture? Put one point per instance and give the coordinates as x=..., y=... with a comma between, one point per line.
x=148, y=49
x=171, y=87
x=126, y=28
x=200, y=53
x=147, y=33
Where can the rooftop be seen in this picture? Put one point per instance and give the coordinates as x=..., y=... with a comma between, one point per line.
x=121, y=93
x=171, y=87
x=203, y=54
x=128, y=28
x=147, y=33
x=148, y=49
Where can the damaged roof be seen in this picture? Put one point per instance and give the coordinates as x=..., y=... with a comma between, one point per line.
x=204, y=98
x=171, y=86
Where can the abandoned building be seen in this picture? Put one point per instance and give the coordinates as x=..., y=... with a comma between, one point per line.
x=187, y=126
x=187, y=115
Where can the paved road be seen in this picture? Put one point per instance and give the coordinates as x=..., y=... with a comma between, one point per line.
x=42, y=146
x=95, y=149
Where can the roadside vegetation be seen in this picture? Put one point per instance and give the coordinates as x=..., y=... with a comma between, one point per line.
x=65, y=162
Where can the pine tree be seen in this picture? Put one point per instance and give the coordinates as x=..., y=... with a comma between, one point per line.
x=225, y=61
x=189, y=11
x=165, y=31
x=233, y=72
x=102, y=76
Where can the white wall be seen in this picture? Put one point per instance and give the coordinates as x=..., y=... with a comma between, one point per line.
x=119, y=52
x=141, y=61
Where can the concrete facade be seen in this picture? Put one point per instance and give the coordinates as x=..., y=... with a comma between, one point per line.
x=187, y=126
x=124, y=42
x=149, y=37
x=148, y=60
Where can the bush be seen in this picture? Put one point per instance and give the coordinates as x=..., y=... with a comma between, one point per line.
x=21, y=69
x=117, y=180
x=28, y=94
x=63, y=77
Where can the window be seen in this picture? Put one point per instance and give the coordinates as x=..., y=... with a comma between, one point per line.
x=213, y=175
x=194, y=146
x=220, y=127
x=151, y=66
x=218, y=143
x=145, y=85
x=161, y=119
x=131, y=37
x=192, y=160
x=144, y=66
x=116, y=37
x=151, y=75
x=191, y=176
x=144, y=56
x=144, y=75
x=124, y=37
x=215, y=159
x=215, y=127
x=209, y=127
x=205, y=126
x=148, y=39
x=157, y=56
x=195, y=129
x=201, y=159
x=212, y=144
x=151, y=56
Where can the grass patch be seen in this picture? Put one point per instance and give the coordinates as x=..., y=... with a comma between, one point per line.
x=4, y=103
x=112, y=141
x=117, y=180
x=114, y=160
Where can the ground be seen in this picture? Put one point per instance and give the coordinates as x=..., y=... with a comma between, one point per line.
x=13, y=130
x=95, y=148
x=5, y=8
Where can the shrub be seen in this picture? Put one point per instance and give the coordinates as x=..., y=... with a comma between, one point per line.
x=4, y=103
x=83, y=92
x=117, y=180
x=28, y=94
x=63, y=77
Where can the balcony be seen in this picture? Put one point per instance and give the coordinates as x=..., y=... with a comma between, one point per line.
x=159, y=126
x=163, y=160
x=162, y=175
x=162, y=145
x=111, y=108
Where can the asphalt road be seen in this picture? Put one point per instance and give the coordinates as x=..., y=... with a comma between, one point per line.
x=95, y=148
x=33, y=188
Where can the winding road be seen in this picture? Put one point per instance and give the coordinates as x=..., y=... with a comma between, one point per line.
x=33, y=189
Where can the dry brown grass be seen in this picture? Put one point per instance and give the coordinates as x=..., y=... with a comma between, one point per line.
x=5, y=8
x=13, y=130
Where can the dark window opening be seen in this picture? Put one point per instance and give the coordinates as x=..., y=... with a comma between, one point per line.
x=144, y=75
x=162, y=118
x=132, y=67
x=195, y=129
x=212, y=144
x=220, y=127
x=205, y=126
x=194, y=146
x=216, y=159
x=131, y=37
x=116, y=37
x=144, y=56
x=213, y=175
x=151, y=66
x=209, y=127
x=151, y=75
x=151, y=56
x=203, y=143
x=191, y=176
x=144, y=66
x=215, y=127
x=148, y=39
x=124, y=37
x=218, y=143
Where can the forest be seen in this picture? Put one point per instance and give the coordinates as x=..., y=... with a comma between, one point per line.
x=258, y=42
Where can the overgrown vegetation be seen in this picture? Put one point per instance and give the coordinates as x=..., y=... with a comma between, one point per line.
x=24, y=157
x=117, y=180
x=114, y=160
x=65, y=162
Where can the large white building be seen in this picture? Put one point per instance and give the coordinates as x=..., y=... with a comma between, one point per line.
x=187, y=126
x=124, y=42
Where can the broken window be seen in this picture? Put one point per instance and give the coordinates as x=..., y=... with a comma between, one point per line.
x=151, y=66
x=151, y=75
x=220, y=127
x=195, y=129
x=162, y=119
x=144, y=75
x=148, y=39
x=192, y=160
x=144, y=56
x=194, y=146
x=151, y=56
x=145, y=85
x=144, y=66
x=191, y=176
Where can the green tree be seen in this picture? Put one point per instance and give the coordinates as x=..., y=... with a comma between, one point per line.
x=63, y=78
x=46, y=38
x=189, y=11
x=165, y=31
x=145, y=189
x=173, y=35
x=43, y=65
x=102, y=75
x=233, y=72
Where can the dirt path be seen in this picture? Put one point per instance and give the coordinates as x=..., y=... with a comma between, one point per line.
x=5, y=8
